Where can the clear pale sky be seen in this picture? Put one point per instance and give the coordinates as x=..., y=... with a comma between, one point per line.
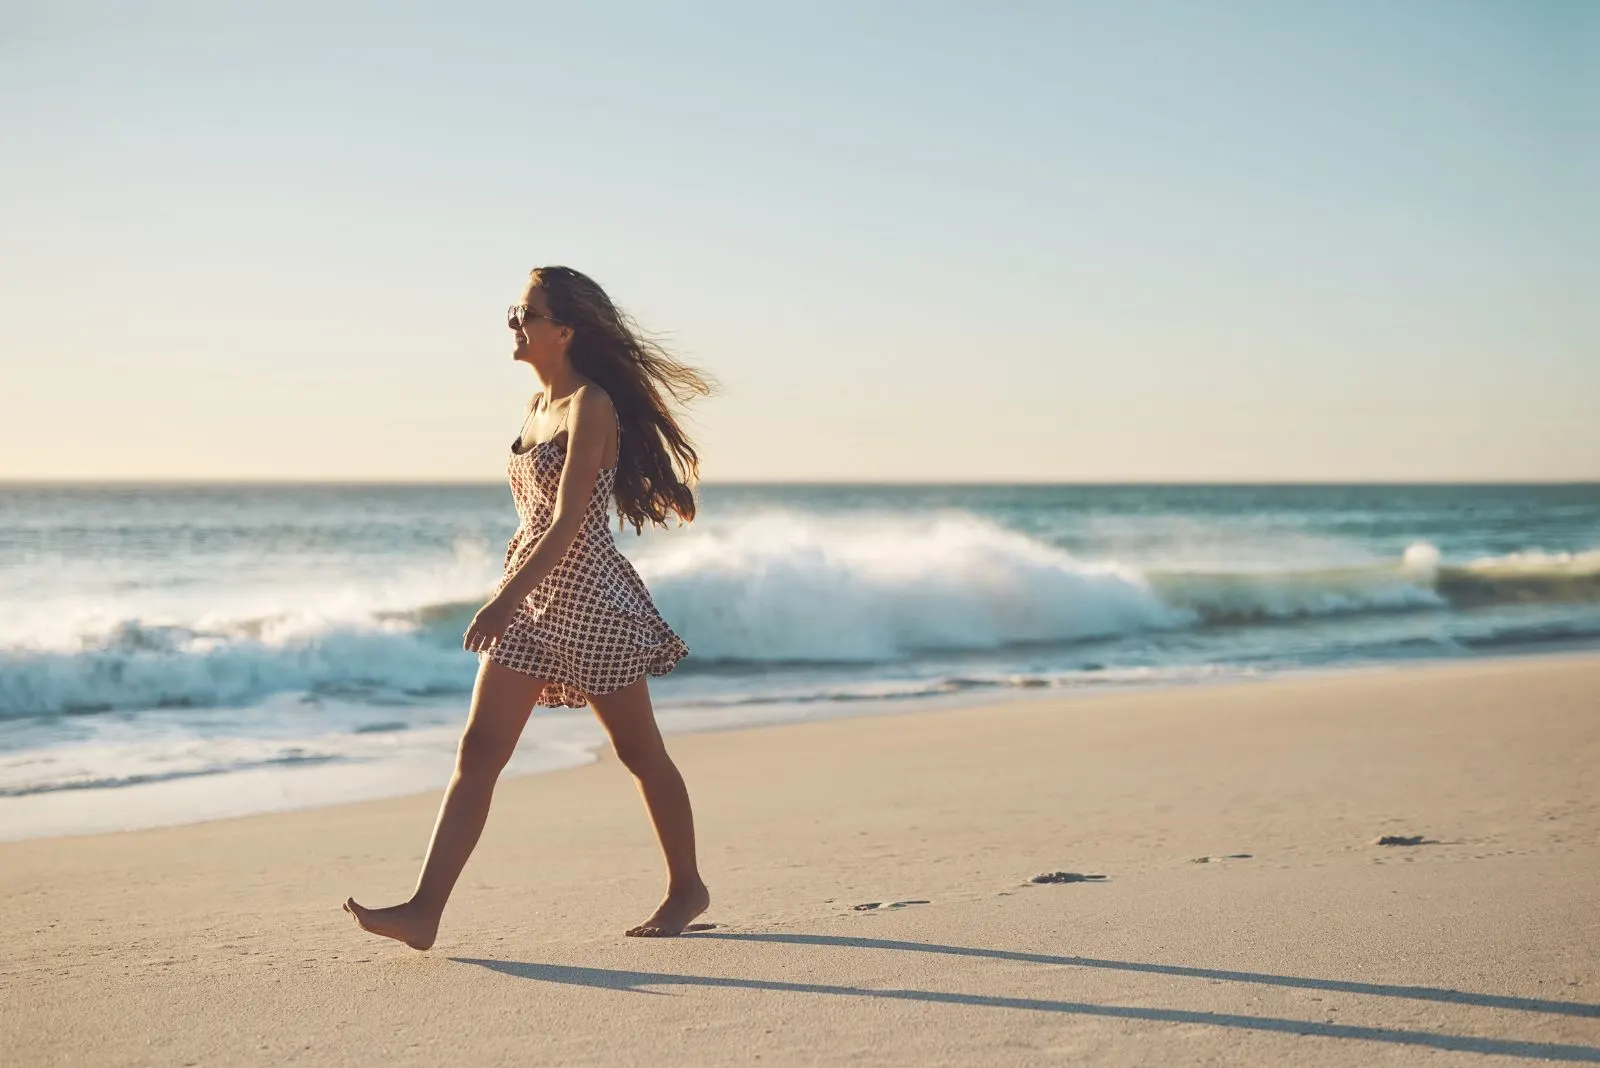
x=1112, y=241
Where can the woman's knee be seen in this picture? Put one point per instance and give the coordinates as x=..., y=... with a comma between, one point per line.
x=480, y=753
x=641, y=754
x=630, y=723
x=501, y=706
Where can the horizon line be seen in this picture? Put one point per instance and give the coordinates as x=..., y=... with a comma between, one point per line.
x=10, y=483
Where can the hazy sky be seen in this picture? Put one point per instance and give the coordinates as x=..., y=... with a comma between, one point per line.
x=913, y=241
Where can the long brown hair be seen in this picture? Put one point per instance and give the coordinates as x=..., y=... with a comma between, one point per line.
x=657, y=463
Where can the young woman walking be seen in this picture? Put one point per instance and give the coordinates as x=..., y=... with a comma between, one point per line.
x=571, y=623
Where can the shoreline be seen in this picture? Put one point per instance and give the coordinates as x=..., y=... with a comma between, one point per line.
x=574, y=741
x=877, y=870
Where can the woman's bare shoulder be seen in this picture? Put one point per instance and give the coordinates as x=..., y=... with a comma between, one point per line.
x=591, y=398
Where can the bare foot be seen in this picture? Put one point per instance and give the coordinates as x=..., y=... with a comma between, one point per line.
x=674, y=914
x=405, y=923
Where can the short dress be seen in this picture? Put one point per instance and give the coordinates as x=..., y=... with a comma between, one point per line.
x=590, y=627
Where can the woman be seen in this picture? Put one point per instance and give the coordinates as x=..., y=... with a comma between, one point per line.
x=571, y=623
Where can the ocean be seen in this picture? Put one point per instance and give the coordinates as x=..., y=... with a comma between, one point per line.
x=171, y=652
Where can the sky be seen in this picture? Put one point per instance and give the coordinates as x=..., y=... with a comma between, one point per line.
x=1066, y=242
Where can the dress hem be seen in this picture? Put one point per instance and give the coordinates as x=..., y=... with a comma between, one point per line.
x=652, y=670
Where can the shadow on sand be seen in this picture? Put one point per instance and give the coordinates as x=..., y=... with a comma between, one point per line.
x=616, y=979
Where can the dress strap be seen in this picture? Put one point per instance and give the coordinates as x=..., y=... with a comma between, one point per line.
x=539, y=402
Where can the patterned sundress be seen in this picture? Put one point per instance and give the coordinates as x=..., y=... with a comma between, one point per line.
x=591, y=626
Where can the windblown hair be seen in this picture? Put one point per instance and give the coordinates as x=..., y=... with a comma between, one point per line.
x=657, y=464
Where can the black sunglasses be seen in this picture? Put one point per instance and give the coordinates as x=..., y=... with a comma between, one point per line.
x=518, y=314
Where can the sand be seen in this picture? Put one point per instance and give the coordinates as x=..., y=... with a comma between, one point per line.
x=1245, y=917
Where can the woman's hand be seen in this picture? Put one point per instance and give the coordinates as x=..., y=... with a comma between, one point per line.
x=490, y=622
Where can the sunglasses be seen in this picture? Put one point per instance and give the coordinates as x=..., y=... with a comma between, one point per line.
x=518, y=314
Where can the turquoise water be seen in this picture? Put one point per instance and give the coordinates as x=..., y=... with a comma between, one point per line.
x=153, y=634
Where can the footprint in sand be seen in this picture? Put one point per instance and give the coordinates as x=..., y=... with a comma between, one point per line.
x=1218, y=860
x=879, y=906
x=1065, y=877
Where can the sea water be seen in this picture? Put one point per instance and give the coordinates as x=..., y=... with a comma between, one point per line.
x=172, y=652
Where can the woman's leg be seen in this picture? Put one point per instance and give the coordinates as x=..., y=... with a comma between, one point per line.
x=630, y=721
x=501, y=702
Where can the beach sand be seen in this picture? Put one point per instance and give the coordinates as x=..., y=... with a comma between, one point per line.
x=1246, y=915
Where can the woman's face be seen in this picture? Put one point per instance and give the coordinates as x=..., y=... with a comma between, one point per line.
x=537, y=339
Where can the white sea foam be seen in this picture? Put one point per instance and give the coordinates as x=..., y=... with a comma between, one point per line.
x=784, y=587
x=770, y=589
x=274, y=648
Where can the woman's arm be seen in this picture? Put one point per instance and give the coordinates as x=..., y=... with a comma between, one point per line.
x=591, y=424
